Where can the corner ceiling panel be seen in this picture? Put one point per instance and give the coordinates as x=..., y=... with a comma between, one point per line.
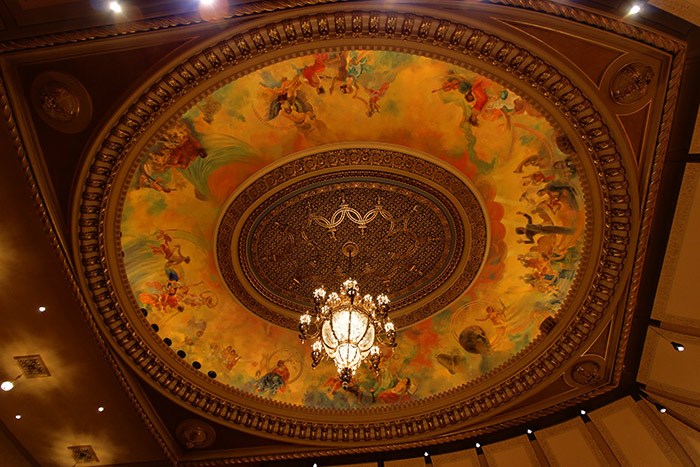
x=631, y=435
x=570, y=443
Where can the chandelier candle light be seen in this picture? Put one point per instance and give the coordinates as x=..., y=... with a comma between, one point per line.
x=346, y=327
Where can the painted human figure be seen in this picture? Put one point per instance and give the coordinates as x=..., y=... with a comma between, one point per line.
x=275, y=380
x=171, y=252
x=398, y=393
x=477, y=96
x=495, y=315
x=311, y=73
x=374, y=96
x=530, y=230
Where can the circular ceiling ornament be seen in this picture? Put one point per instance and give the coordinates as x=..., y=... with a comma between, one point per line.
x=420, y=226
x=631, y=83
x=560, y=222
x=195, y=434
x=61, y=101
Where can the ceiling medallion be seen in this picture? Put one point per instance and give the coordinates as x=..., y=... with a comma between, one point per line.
x=195, y=434
x=423, y=230
x=631, y=83
x=61, y=101
x=348, y=328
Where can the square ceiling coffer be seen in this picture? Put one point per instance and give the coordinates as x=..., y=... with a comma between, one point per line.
x=83, y=454
x=32, y=366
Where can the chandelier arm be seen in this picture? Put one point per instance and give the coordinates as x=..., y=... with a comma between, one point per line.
x=381, y=339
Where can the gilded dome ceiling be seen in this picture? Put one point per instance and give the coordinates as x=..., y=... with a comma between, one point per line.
x=482, y=187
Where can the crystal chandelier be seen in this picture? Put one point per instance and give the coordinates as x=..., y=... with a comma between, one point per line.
x=348, y=328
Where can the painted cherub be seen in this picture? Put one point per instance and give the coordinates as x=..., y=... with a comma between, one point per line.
x=496, y=315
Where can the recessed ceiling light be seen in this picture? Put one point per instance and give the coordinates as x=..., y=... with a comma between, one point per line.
x=115, y=7
x=42, y=309
x=583, y=412
x=7, y=386
x=100, y=409
x=18, y=416
x=426, y=454
x=634, y=9
x=478, y=445
x=529, y=431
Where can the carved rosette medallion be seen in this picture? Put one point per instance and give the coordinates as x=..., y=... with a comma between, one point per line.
x=62, y=102
x=631, y=83
x=421, y=231
x=195, y=434
x=588, y=371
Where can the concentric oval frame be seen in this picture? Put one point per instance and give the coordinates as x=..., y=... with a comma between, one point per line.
x=612, y=227
x=368, y=159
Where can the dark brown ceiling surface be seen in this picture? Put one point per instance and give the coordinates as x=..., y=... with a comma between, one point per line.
x=606, y=126
x=61, y=409
x=26, y=18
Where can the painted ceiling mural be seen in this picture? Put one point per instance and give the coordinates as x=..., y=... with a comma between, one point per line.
x=523, y=170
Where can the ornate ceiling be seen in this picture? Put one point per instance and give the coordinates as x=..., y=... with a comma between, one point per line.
x=463, y=166
x=497, y=175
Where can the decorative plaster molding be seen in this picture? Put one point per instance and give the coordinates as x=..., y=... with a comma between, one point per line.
x=617, y=26
x=659, y=41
